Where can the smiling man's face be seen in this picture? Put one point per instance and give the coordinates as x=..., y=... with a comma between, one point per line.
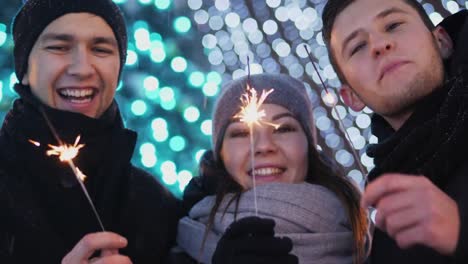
x=75, y=68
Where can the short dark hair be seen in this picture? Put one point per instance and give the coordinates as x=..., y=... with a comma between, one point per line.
x=334, y=7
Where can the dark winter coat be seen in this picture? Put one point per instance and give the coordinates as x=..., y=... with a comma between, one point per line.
x=44, y=210
x=433, y=142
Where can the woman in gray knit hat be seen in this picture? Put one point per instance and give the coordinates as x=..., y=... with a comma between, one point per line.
x=307, y=212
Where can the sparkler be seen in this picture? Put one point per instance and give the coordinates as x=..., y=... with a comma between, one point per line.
x=330, y=99
x=251, y=115
x=371, y=211
x=66, y=153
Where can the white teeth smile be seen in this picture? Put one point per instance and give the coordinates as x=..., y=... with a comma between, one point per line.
x=267, y=171
x=77, y=95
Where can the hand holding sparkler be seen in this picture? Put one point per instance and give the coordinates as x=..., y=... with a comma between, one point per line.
x=107, y=242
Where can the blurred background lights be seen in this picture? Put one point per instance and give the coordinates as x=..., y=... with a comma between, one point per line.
x=166, y=94
x=3, y=34
x=222, y=5
x=182, y=24
x=201, y=17
x=179, y=64
x=197, y=79
x=169, y=177
x=162, y=4
x=158, y=124
x=158, y=53
x=151, y=85
x=191, y=114
x=206, y=127
x=149, y=160
x=210, y=89
x=216, y=22
x=148, y=155
x=184, y=177
x=145, y=2
x=329, y=99
x=147, y=149
x=168, y=166
x=436, y=18
x=195, y=4
x=214, y=77
x=273, y=3
x=180, y=53
x=142, y=39
x=132, y=57
x=160, y=135
x=139, y=107
x=199, y=154
x=270, y=27
x=232, y=20
x=453, y=7
x=13, y=81
x=177, y=143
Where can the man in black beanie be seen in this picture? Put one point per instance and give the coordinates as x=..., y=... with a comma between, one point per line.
x=391, y=58
x=69, y=56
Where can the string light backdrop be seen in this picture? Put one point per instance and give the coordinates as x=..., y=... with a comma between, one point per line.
x=180, y=52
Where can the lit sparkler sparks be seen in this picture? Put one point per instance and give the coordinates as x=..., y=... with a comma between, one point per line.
x=65, y=152
x=250, y=112
x=35, y=143
x=251, y=115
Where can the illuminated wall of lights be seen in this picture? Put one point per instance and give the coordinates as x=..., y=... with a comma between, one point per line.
x=181, y=51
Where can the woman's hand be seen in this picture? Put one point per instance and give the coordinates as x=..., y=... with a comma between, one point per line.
x=252, y=240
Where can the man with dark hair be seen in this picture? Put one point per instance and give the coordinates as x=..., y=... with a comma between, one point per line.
x=69, y=56
x=390, y=57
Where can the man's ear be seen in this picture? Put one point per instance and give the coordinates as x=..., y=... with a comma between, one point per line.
x=351, y=99
x=444, y=42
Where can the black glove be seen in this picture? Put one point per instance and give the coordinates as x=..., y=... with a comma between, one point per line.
x=252, y=240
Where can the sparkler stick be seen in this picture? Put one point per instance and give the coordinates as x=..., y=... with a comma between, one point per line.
x=370, y=210
x=251, y=115
x=66, y=154
x=252, y=156
x=340, y=121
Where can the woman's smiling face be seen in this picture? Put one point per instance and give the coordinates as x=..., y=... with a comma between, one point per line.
x=281, y=154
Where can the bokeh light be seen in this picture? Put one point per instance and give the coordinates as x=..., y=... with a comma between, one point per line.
x=181, y=52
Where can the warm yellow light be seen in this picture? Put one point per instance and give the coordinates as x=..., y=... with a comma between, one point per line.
x=65, y=152
x=250, y=112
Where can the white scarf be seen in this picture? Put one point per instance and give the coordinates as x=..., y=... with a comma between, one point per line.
x=310, y=215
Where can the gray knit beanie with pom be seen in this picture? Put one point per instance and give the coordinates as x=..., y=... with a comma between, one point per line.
x=288, y=92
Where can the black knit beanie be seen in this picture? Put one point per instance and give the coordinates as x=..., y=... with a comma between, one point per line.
x=288, y=92
x=35, y=15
